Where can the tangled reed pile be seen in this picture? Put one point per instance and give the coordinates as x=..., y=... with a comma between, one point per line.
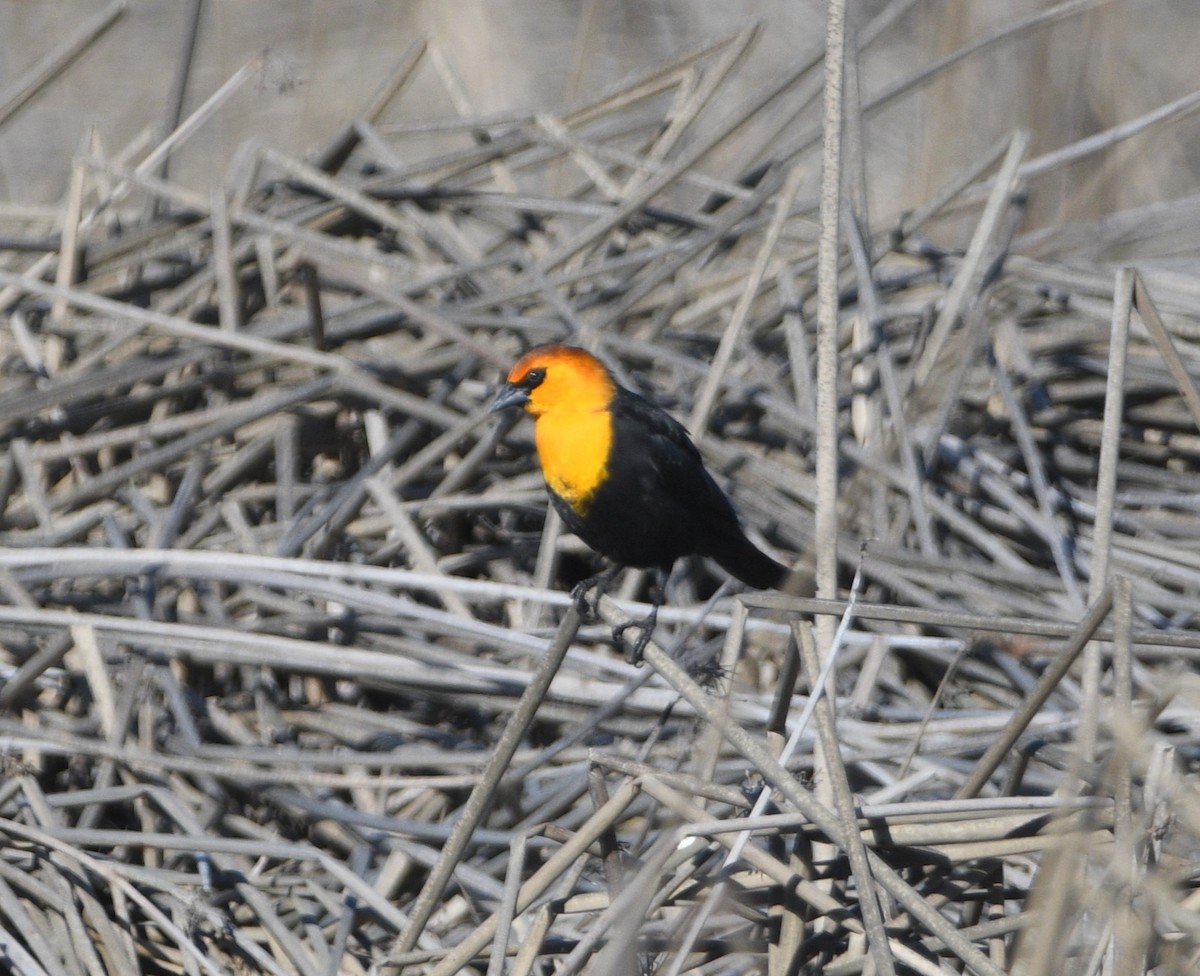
x=290, y=683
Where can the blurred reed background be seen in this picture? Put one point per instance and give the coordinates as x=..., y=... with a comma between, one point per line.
x=1083, y=75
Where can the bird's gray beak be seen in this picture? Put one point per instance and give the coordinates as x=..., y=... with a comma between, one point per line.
x=509, y=396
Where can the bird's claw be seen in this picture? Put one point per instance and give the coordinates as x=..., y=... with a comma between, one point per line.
x=586, y=594
x=645, y=629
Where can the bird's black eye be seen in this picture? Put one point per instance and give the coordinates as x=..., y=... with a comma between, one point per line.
x=533, y=378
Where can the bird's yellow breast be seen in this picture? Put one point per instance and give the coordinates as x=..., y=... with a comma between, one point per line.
x=574, y=448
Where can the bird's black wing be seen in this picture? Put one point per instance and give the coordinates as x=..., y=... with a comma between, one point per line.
x=683, y=509
x=672, y=462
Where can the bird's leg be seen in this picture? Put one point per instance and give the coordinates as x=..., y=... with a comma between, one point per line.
x=588, y=603
x=645, y=626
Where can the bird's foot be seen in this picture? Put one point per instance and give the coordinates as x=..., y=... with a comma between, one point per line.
x=586, y=593
x=645, y=629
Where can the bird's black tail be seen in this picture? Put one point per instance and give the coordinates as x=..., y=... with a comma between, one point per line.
x=740, y=557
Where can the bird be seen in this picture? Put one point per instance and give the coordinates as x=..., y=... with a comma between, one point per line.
x=627, y=479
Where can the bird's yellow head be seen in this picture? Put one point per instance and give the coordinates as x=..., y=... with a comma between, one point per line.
x=557, y=378
x=568, y=391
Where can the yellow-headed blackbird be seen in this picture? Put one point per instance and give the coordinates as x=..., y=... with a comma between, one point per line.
x=625, y=476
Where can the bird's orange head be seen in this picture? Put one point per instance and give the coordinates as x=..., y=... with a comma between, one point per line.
x=557, y=378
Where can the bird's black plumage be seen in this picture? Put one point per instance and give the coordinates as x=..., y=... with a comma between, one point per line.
x=659, y=502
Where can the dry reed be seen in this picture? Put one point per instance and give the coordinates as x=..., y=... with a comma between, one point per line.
x=283, y=690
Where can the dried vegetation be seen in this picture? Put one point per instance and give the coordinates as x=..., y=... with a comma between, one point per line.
x=289, y=680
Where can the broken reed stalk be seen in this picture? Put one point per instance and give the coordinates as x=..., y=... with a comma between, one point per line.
x=1037, y=698
x=484, y=793
x=801, y=798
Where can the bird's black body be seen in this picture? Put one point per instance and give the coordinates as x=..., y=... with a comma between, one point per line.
x=659, y=503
